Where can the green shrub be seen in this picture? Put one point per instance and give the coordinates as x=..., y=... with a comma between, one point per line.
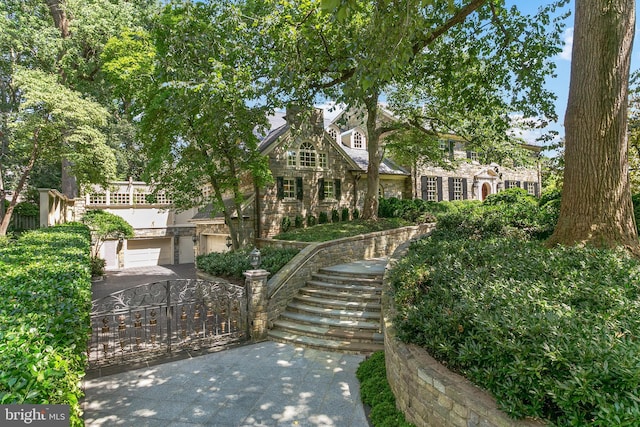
x=356, y=214
x=551, y=333
x=323, y=218
x=285, y=224
x=335, y=215
x=298, y=221
x=311, y=220
x=27, y=209
x=415, y=210
x=376, y=393
x=512, y=212
x=97, y=266
x=44, y=317
x=345, y=214
x=231, y=265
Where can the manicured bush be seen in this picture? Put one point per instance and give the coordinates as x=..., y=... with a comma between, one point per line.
x=44, y=317
x=323, y=218
x=335, y=215
x=311, y=221
x=376, y=393
x=356, y=214
x=551, y=333
x=285, y=224
x=415, y=210
x=345, y=214
x=231, y=265
x=298, y=221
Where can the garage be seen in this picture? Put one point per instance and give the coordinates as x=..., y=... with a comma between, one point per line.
x=215, y=243
x=148, y=252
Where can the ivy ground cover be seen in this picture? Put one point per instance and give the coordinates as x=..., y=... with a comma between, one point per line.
x=551, y=333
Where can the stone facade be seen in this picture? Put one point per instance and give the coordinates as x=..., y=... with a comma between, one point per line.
x=427, y=392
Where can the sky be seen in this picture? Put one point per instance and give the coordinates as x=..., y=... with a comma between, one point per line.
x=560, y=84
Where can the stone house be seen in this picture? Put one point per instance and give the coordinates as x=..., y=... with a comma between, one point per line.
x=319, y=165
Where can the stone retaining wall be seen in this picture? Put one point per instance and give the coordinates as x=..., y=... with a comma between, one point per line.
x=284, y=285
x=427, y=392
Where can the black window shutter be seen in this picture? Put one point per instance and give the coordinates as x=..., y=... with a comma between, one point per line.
x=299, y=190
x=321, y=189
x=517, y=183
x=507, y=184
x=337, y=188
x=439, y=184
x=452, y=145
x=526, y=185
x=468, y=154
x=450, y=188
x=464, y=189
x=423, y=187
x=280, y=187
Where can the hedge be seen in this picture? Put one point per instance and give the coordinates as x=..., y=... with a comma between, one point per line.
x=45, y=306
x=231, y=265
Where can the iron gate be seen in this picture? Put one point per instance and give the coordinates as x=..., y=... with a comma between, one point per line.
x=151, y=320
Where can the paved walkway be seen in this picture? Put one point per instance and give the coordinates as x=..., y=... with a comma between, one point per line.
x=265, y=384
x=258, y=385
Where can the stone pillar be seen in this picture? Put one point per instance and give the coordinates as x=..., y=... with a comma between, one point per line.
x=256, y=287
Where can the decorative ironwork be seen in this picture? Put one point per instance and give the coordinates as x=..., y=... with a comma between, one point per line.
x=150, y=320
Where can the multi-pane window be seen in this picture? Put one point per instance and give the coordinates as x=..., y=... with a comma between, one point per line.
x=430, y=192
x=531, y=188
x=289, y=188
x=511, y=184
x=291, y=158
x=333, y=133
x=162, y=199
x=472, y=155
x=458, y=192
x=358, y=140
x=307, y=155
x=329, y=191
x=322, y=160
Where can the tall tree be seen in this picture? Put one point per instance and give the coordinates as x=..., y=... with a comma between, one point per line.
x=198, y=125
x=596, y=206
x=357, y=50
x=54, y=122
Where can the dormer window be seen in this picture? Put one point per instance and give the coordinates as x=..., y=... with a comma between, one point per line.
x=333, y=133
x=358, y=140
x=307, y=154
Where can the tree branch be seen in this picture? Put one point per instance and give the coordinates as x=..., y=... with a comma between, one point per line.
x=459, y=17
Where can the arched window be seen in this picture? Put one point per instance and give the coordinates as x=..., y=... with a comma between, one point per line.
x=307, y=155
x=358, y=140
x=333, y=133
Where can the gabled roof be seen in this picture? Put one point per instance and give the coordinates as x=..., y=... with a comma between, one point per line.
x=361, y=159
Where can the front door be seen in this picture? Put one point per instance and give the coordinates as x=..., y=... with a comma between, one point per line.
x=486, y=190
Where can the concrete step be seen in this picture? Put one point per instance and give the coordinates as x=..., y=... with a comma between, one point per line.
x=353, y=289
x=335, y=294
x=343, y=346
x=328, y=332
x=337, y=304
x=342, y=314
x=315, y=320
x=347, y=280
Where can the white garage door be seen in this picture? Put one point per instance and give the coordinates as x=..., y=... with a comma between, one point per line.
x=216, y=243
x=148, y=252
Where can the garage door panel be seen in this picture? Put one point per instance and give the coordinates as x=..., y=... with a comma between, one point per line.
x=148, y=252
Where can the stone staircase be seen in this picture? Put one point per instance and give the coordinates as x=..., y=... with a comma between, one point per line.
x=337, y=310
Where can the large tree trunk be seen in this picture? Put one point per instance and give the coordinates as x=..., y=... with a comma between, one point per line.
x=370, y=210
x=57, y=9
x=596, y=204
